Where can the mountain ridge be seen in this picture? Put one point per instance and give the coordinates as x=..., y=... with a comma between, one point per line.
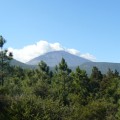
x=102, y=66
x=86, y=65
x=53, y=58
x=15, y=62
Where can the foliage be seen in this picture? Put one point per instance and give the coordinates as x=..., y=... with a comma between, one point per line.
x=61, y=94
x=4, y=60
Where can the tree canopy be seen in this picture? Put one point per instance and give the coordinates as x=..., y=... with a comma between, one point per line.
x=61, y=94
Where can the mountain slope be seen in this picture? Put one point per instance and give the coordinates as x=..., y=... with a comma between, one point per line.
x=14, y=62
x=102, y=66
x=54, y=58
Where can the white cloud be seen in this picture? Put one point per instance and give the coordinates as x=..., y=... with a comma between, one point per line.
x=73, y=51
x=31, y=51
x=88, y=56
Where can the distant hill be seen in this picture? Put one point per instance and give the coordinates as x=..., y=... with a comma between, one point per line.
x=14, y=62
x=102, y=66
x=54, y=58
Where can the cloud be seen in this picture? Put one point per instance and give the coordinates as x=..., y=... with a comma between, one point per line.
x=88, y=56
x=31, y=51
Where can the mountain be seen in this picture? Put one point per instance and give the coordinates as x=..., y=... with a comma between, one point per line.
x=54, y=58
x=102, y=66
x=14, y=62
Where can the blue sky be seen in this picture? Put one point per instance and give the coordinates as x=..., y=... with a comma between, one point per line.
x=89, y=26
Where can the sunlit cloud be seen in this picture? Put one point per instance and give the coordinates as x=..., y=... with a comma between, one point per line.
x=31, y=51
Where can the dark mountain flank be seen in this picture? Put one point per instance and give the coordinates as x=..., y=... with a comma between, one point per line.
x=103, y=66
x=20, y=64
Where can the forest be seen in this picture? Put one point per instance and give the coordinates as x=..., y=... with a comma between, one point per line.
x=60, y=94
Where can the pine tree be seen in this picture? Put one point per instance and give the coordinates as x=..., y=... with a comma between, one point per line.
x=5, y=58
x=80, y=84
x=95, y=81
x=65, y=80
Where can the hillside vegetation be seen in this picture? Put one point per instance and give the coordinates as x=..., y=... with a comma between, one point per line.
x=62, y=94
